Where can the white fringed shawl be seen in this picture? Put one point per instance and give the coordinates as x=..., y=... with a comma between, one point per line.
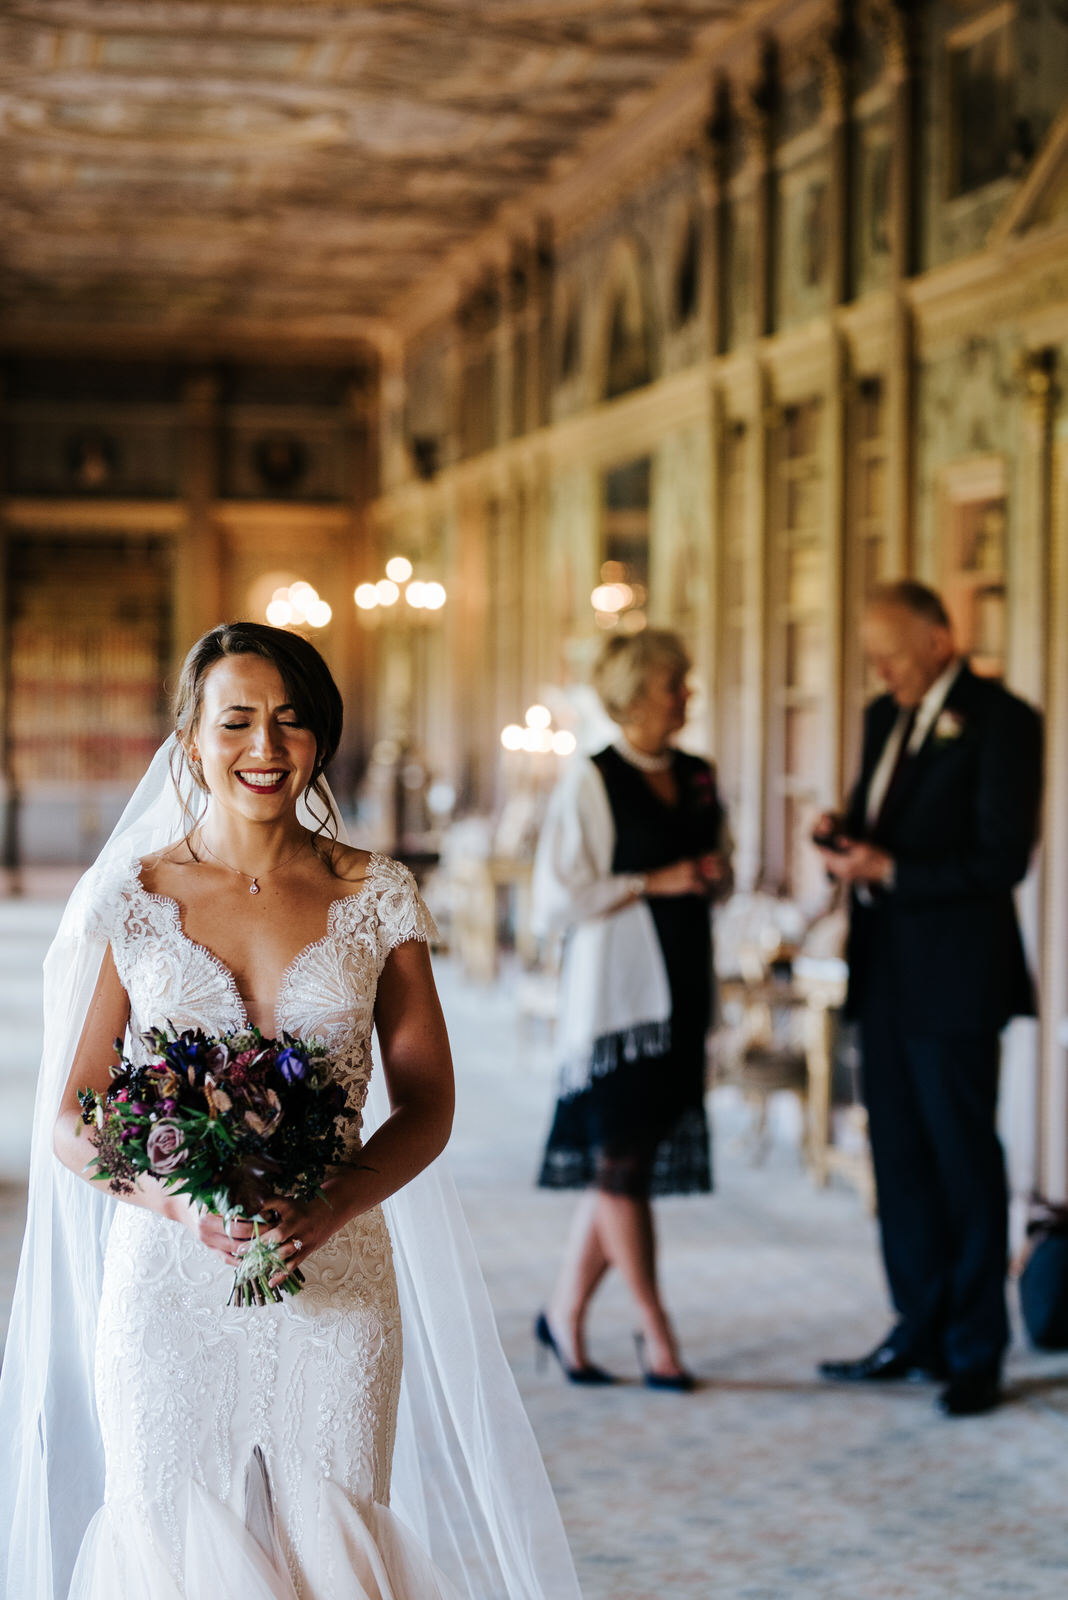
x=614, y=996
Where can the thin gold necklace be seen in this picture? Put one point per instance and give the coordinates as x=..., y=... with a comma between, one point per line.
x=254, y=887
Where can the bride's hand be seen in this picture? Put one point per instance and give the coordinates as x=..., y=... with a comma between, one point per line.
x=209, y=1230
x=303, y=1226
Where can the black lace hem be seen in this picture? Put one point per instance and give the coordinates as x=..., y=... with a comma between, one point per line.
x=678, y=1163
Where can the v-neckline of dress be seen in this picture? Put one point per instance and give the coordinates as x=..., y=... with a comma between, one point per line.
x=226, y=973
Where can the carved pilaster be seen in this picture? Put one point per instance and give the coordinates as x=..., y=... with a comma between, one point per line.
x=199, y=588
x=757, y=113
x=894, y=20
x=451, y=445
x=393, y=462
x=505, y=352
x=835, y=62
x=713, y=190
x=1037, y=627
x=9, y=819
x=540, y=324
x=1052, y=1108
x=517, y=313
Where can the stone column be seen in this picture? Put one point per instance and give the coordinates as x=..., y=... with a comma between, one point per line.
x=899, y=47
x=9, y=821
x=539, y=328
x=200, y=599
x=834, y=63
x=835, y=73
x=758, y=760
x=711, y=649
x=838, y=399
x=451, y=446
x=713, y=230
x=505, y=349
x=393, y=464
x=1039, y=667
x=757, y=111
x=357, y=561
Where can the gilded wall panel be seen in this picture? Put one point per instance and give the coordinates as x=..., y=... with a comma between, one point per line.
x=804, y=237
x=967, y=410
x=571, y=554
x=681, y=575
x=871, y=173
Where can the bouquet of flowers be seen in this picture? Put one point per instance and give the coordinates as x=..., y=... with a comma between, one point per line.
x=229, y=1121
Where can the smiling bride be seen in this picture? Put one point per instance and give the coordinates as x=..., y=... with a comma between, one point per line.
x=159, y=1444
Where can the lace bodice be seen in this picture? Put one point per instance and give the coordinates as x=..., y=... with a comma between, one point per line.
x=194, y=1396
x=327, y=991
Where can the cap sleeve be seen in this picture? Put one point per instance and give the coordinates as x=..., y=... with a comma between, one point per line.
x=98, y=906
x=402, y=912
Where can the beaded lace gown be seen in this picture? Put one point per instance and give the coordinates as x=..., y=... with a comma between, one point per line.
x=248, y=1450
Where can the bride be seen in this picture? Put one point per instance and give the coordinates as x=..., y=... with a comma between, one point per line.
x=165, y=1446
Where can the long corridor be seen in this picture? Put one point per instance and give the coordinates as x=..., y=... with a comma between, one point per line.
x=765, y=1484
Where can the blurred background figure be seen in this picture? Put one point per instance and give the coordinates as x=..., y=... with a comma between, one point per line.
x=938, y=833
x=633, y=849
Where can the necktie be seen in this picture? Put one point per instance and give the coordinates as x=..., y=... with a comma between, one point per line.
x=900, y=767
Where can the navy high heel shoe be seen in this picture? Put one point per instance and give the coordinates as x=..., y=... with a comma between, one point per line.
x=544, y=1343
x=681, y=1382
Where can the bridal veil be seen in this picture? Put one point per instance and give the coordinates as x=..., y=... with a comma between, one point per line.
x=467, y=1476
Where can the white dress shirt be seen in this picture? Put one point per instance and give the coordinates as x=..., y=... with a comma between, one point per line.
x=927, y=713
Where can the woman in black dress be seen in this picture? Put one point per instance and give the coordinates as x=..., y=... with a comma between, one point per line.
x=632, y=852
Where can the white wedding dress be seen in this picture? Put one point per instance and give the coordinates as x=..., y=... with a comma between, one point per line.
x=248, y=1450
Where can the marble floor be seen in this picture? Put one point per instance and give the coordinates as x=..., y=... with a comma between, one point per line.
x=765, y=1484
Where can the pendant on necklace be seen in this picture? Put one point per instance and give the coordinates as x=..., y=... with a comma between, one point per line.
x=254, y=887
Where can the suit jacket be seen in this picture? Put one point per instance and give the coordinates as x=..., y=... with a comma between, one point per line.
x=961, y=824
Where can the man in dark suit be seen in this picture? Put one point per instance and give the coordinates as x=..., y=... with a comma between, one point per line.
x=939, y=831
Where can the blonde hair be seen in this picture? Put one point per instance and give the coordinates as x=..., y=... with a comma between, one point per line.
x=621, y=671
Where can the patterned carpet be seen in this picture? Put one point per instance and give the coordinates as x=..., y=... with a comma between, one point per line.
x=765, y=1484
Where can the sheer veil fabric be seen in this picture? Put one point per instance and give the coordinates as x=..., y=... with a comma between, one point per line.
x=467, y=1480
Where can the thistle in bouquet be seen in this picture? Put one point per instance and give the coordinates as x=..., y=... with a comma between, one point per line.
x=230, y=1121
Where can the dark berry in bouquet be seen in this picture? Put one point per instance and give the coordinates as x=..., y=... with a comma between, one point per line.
x=231, y=1122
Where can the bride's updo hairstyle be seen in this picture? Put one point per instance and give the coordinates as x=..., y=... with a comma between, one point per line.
x=624, y=664
x=309, y=687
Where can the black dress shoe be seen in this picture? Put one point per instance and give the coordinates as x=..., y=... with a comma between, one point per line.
x=884, y=1364
x=969, y=1394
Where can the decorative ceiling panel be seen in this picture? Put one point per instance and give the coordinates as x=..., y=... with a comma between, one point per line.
x=303, y=165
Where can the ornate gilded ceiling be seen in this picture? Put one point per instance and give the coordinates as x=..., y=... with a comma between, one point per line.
x=291, y=169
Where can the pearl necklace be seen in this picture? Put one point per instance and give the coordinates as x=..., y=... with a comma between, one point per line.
x=254, y=887
x=639, y=758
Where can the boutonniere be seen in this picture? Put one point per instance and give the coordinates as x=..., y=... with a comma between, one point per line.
x=949, y=725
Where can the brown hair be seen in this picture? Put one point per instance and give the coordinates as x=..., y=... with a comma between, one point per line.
x=622, y=668
x=914, y=597
x=309, y=687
